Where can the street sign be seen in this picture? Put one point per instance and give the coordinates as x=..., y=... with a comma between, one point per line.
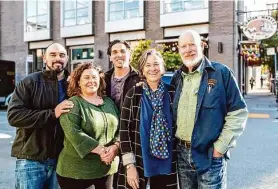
x=270, y=51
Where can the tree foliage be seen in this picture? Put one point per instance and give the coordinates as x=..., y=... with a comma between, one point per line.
x=138, y=51
x=171, y=58
x=268, y=43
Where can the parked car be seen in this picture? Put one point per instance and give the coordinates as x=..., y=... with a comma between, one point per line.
x=167, y=77
x=7, y=80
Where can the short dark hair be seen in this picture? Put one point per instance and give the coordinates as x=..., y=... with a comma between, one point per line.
x=115, y=42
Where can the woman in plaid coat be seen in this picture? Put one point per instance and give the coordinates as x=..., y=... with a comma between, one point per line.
x=146, y=130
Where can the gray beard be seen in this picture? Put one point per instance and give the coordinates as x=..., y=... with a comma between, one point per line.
x=193, y=62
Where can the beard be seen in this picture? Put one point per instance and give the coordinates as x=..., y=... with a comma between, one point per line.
x=58, y=70
x=195, y=61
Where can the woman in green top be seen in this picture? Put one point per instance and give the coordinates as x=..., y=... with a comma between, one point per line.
x=91, y=130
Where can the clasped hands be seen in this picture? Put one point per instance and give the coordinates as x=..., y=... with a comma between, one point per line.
x=107, y=154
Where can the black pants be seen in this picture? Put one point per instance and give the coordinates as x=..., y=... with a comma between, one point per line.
x=99, y=183
x=159, y=182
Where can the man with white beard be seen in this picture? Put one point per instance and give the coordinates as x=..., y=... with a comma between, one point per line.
x=209, y=113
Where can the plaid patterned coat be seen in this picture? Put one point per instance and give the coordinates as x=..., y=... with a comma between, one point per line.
x=130, y=138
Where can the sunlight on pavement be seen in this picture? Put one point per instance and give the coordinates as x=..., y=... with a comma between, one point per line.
x=260, y=116
x=2, y=135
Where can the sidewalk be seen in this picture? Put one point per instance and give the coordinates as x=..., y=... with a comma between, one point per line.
x=261, y=104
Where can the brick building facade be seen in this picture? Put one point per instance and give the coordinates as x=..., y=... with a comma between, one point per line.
x=159, y=21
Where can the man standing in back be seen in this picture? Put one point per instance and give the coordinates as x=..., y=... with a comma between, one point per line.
x=122, y=76
x=36, y=105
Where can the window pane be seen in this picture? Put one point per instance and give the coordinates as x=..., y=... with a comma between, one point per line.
x=39, y=63
x=31, y=24
x=82, y=12
x=42, y=26
x=91, y=54
x=76, y=54
x=132, y=13
x=70, y=14
x=42, y=18
x=131, y=5
x=69, y=5
x=32, y=20
x=116, y=7
x=176, y=7
x=116, y=15
x=82, y=20
x=42, y=7
x=31, y=8
x=82, y=4
x=69, y=22
x=175, y=1
x=82, y=54
x=197, y=4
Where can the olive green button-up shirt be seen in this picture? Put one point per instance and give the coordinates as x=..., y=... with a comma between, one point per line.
x=187, y=104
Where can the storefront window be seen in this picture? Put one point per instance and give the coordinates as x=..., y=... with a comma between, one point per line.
x=37, y=64
x=39, y=59
x=119, y=10
x=182, y=5
x=82, y=54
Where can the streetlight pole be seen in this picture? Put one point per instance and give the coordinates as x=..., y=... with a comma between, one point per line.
x=275, y=76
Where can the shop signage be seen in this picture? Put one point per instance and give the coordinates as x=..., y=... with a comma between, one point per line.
x=260, y=27
x=29, y=58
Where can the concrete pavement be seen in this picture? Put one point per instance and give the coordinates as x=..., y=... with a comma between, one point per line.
x=7, y=163
x=254, y=161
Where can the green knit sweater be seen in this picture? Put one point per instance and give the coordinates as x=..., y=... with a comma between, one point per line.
x=86, y=126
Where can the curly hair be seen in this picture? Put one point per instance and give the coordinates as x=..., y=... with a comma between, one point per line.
x=74, y=88
x=116, y=42
x=143, y=59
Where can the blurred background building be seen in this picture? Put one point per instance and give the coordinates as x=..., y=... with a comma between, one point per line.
x=85, y=28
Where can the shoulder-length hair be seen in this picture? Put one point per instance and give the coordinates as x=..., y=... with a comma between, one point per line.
x=74, y=88
x=143, y=60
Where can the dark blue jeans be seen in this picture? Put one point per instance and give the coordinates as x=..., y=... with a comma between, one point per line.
x=31, y=174
x=214, y=178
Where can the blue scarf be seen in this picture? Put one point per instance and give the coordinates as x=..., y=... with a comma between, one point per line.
x=159, y=132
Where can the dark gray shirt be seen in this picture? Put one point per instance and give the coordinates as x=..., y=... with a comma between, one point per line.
x=117, y=86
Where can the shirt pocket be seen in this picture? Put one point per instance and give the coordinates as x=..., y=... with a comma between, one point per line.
x=211, y=98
